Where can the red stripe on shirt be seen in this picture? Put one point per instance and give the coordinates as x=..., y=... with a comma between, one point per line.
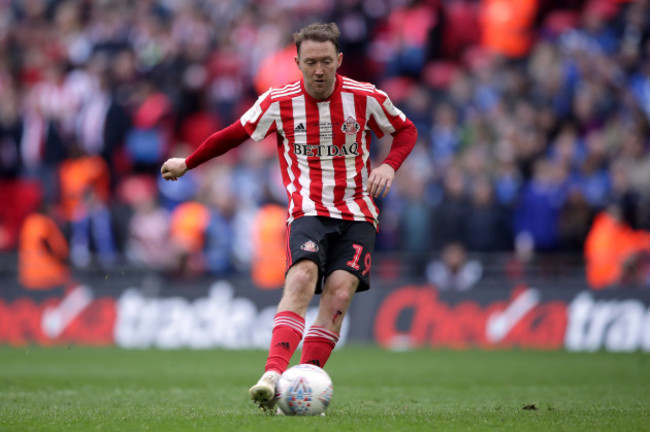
x=360, y=105
x=339, y=163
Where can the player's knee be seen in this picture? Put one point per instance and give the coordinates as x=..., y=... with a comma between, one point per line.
x=341, y=286
x=301, y=281
x=341, y=295
x=297, y=290
x=303, y=274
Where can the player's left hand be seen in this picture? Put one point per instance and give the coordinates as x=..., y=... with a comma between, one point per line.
x=380, y=180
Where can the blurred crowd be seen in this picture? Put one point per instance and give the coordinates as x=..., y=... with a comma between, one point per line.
x=532, y=118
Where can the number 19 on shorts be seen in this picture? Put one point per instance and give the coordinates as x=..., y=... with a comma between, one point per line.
x=354, y=262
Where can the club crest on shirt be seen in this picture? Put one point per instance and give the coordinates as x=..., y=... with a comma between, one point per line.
x=309, y=246
x=350, y=127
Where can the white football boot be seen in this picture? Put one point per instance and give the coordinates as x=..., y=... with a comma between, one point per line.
x=263, y=393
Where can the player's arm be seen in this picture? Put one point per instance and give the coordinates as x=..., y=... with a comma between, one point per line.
x=215, y=145
x=381, y=178
x=256, y=123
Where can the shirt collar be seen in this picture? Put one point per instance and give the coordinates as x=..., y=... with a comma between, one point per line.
x=337, y=89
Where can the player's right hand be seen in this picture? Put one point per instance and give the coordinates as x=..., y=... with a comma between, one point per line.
x=173, y=168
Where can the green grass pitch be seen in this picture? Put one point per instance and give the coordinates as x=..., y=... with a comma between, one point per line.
x=109, y=389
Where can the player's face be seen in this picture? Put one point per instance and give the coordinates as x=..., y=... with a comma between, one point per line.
x=318, y=62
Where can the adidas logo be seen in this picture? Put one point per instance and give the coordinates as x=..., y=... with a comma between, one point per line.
x=314, y=362
x=284, y=345
x=300, y=128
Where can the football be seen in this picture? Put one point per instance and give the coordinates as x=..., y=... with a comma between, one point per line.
x=304, y=390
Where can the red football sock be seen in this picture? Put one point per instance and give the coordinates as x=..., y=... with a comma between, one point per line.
x=288, y=328
x=318, y=345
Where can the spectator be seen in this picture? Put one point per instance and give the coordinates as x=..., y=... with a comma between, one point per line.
x=189, y=222
x=507, y=182
x=268, y=263
x=85, y=195
x=446, y=134
x=574, y=221
x=131, y=81
x=415, y=215
x=487, y=228
x=592, y=177
x=11, y=132
x=149, y=227
x=220, y=233
x=454, y=271
x=635, y=158
x=148, y=142
x=613, y=250
x=508, y=26
x=449, y=215
x=538, y=209
x=43, y=252
x=410, y=28
x=23, y=197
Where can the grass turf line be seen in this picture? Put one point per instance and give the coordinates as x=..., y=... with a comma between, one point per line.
x=109, y=389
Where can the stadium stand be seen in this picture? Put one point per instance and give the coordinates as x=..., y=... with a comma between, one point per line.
x=529, y=137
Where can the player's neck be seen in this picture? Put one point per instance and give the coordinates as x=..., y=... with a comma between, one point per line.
x=322, y=97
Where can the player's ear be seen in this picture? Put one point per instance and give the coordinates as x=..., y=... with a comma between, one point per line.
x=297, y=59
x=339, y=60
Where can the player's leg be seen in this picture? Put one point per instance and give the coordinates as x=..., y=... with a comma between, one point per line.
x=299, y=287
x=289, y=321
x=347, y=271
x=288, y=328
x=304, y=254
x=338, y=290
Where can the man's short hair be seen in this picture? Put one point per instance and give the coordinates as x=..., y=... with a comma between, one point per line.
x=318, y=32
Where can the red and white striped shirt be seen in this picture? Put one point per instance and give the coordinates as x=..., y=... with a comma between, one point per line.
x=324, y=146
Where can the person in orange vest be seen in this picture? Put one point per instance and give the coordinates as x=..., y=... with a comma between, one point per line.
x=42, y=253
x=508, y=26
x=612, y=249
x=277, y=69
x=269, y=238
x=189, y=221
x=85, y=194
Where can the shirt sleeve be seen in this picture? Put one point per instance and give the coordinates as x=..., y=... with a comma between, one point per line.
x=260, y=119
x=256, y=123
x=385, y=118
x=217, y=144
x=403, y=142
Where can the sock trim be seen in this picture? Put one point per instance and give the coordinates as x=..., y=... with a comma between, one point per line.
x=322, y=332
x=289, y=319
